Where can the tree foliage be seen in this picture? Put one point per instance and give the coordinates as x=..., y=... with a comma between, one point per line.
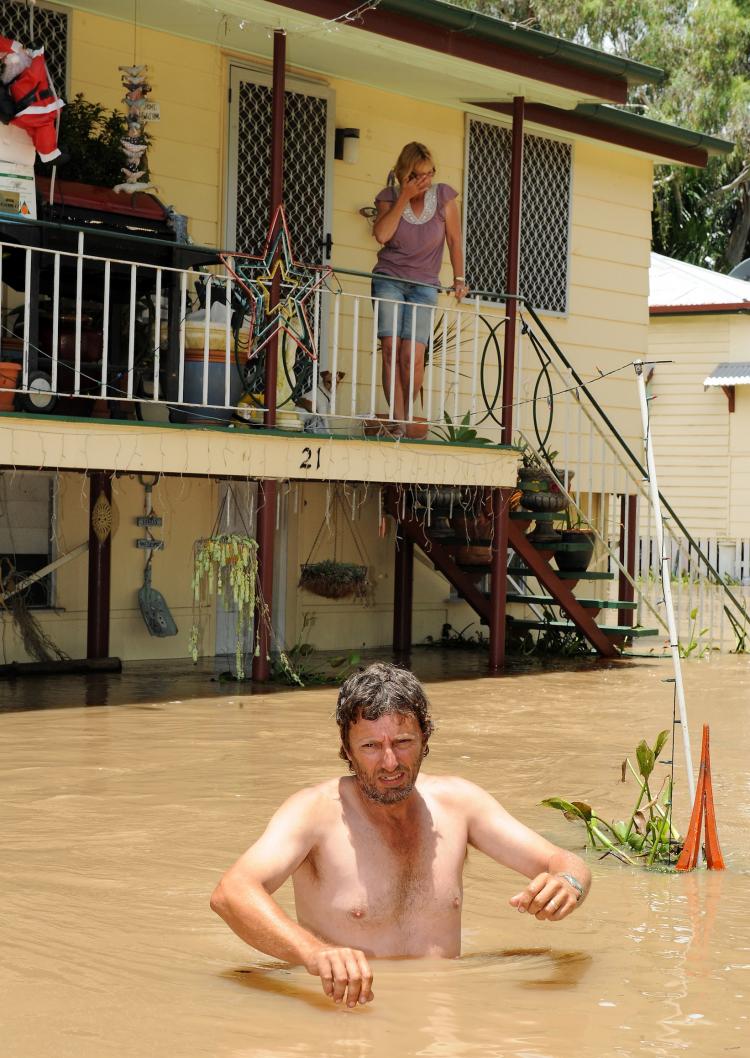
x=700, y=215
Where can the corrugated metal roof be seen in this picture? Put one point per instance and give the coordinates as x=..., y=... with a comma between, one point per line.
x=677, y=285
x=734, y=374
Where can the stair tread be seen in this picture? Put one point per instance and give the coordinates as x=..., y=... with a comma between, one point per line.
x=538, y=516
x=547, y=600
x=619, y=630
x=524, y=571
x=461, y=541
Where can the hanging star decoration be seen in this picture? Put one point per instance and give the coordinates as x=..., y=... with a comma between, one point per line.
x=298, y=282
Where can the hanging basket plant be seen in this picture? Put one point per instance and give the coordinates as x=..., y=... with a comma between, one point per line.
x=331, y=578
x=335, y=580
x=226, y=565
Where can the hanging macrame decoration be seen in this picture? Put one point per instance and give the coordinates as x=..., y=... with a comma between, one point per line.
x=135, y=144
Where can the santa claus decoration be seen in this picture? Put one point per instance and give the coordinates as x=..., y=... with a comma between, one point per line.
x=28, y=98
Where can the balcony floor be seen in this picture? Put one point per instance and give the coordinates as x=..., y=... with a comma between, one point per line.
x=54, y=442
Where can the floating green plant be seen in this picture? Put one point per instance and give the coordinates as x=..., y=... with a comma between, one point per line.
x=648, y=838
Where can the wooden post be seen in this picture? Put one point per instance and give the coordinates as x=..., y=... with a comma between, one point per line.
x=266, y=519
x=628, y=543
x=515, y=209
x=403, y=592
x=100, y=538
x=277, y=198
x=499, y=577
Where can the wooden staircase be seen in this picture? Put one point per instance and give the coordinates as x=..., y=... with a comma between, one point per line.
x=577, y=614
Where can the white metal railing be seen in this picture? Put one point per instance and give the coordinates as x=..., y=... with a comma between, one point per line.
x=362, y=388
x=607, y=491
x=106, y=327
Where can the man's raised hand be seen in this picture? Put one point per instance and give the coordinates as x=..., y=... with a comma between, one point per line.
x=548, y=896
x=344, y=973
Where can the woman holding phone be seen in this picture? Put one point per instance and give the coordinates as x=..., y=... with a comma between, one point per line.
x=415, y=219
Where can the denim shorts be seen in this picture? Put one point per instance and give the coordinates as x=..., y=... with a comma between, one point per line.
x=413, y=294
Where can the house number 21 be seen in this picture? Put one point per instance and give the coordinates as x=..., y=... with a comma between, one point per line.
x=307, y=454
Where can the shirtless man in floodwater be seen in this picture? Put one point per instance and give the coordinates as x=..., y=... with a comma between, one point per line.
x=377, y=857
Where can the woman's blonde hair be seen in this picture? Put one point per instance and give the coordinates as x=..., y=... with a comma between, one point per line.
x=411, y=155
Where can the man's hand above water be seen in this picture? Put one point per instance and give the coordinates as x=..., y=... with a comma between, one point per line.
x=548, y=897
x=344, y=973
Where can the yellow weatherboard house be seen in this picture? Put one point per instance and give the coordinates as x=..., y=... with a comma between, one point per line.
x=154, y=397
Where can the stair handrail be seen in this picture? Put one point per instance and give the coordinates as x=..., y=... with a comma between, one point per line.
x=610, y=552
x=582, y=387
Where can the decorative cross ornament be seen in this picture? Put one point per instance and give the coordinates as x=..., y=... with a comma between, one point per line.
x=297, y=282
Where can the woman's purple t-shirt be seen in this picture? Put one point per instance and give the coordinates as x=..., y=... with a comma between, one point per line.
x=415, y=252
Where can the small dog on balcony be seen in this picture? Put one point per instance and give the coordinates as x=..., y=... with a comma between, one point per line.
x=315, y=421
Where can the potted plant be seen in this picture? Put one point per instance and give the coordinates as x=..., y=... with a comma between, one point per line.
x=473, y=523
x=462, y=433
x=91, y=136
x=335, y=580
x=539, y=486
x=575, y=550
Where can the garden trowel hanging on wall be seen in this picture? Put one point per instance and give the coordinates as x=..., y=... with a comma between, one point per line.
x=154, y=609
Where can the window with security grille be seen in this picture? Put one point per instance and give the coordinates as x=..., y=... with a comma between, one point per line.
x=48, y=27
x=305, y=146
x=307, y=130
x=545, y=216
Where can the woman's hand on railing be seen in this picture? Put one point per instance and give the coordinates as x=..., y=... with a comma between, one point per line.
x=460, y=289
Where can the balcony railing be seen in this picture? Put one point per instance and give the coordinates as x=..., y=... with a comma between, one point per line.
x=177, y=344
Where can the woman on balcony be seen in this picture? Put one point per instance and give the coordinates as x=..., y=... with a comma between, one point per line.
x=414, y=221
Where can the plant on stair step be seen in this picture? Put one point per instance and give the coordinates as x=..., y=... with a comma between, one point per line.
x=648, y=838
x=577, y=543
x=538, y=483
x=473, y=525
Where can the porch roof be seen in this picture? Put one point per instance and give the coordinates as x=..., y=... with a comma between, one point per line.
x=729, y=374
x=396, y=46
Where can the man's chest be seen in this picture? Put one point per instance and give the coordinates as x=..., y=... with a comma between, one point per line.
x=377, y=878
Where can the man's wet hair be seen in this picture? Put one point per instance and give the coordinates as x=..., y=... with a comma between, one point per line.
x=377, y=691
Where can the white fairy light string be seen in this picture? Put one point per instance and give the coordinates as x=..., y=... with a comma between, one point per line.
x=354, y=16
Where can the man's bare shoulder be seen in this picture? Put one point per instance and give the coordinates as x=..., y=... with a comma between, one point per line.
x=311, y=801
x=452, y=791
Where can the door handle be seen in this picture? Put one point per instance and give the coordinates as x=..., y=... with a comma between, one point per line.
x=327, y=245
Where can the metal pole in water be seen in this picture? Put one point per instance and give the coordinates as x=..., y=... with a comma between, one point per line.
x=665, y=579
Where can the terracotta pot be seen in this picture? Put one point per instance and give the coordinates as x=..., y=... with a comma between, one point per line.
x=417, y=429
x=471, y=528
x=9, y=373
x=474, y=555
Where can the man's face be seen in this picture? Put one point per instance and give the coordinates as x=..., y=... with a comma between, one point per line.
x=386, y=756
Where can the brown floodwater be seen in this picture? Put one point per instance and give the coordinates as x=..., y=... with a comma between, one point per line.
x=118, y=819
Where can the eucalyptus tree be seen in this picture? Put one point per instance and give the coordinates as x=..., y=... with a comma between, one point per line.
x=700, y=215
